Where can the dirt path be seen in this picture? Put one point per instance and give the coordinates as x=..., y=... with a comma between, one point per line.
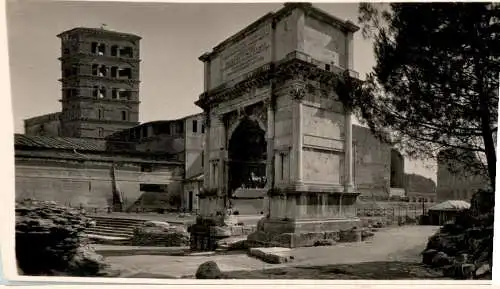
x=394, y=244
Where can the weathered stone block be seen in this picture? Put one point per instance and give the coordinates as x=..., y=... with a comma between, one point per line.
x=273, y=255
x=233, y=243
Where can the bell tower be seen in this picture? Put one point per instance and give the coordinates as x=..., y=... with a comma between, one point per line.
x=100, y=82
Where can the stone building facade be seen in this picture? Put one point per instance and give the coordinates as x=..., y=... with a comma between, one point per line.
x=274, y=123
x=81, y=173
x=182, y=138
x=69, y=156
x=44, y=125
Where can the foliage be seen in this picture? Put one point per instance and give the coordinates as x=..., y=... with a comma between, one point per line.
x=49, y=241
x=435, y=82
x=467, y=240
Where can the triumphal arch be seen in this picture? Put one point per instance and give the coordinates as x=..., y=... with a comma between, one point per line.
x=275, y=124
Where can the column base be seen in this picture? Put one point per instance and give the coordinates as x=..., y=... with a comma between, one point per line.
x=303, y=233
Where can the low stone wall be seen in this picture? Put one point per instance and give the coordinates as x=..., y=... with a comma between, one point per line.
x=156, y=234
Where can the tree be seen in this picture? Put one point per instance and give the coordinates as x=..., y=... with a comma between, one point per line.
x=435, y=82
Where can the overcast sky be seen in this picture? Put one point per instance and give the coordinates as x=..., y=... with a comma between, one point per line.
x=174, y=36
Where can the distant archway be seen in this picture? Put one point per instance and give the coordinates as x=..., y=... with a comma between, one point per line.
x=247, y=156
x=397, y=169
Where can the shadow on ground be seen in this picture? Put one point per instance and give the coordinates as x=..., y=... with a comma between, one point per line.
x=359, y=271
x=367, y=270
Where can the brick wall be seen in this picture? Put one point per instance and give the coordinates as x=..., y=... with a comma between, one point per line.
x=372, y=163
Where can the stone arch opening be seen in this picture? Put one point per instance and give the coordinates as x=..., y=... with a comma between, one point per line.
x=247, y=156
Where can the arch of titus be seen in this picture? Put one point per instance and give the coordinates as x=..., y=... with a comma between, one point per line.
x=273, y=124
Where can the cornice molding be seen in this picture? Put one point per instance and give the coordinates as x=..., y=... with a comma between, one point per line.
x=292, y=68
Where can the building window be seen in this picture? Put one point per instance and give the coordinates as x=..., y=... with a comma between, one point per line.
x=102, y=92
x=75, y=70
x=124, y=115
x=180, y=127
x=114, y=50
x=202, y=159
x=101, y=113
x=100, y=131
x=95, y=69
x=195, y=126
x=103, y=70
x=94, y=47
x=125, y=73
x=127, y=52
x=114, y=71
x=202, y=128
x=95, y=91
x=114, y=93
x=101, y=49
x=124, y=94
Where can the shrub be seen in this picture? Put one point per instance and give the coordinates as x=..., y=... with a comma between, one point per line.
x=49, y=241
x=469, y=235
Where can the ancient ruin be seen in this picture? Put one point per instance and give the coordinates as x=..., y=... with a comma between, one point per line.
x=275, y=124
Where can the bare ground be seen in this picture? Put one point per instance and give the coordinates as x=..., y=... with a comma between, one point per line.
x=394, y=253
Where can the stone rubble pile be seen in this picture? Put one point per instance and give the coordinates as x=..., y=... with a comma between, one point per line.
x=463, y=249
x=155, y=233
x=50, y=241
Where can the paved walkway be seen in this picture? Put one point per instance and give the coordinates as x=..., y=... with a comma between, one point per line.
x=393, y=244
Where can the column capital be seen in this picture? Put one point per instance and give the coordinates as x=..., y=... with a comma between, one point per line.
x=298, y=91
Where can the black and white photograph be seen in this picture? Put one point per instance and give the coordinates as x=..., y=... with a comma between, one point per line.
x=258, y=140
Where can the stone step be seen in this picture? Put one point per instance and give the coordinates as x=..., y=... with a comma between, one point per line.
x=118, y=220
x=114, y=225
x=111, y=230
x=107, y=232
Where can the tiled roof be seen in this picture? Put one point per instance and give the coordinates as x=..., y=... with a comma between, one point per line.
x=100, y=31
x=91, y=157
x=51, y=142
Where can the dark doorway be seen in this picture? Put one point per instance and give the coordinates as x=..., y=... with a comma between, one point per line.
x=190, y=201
x=247, y=156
